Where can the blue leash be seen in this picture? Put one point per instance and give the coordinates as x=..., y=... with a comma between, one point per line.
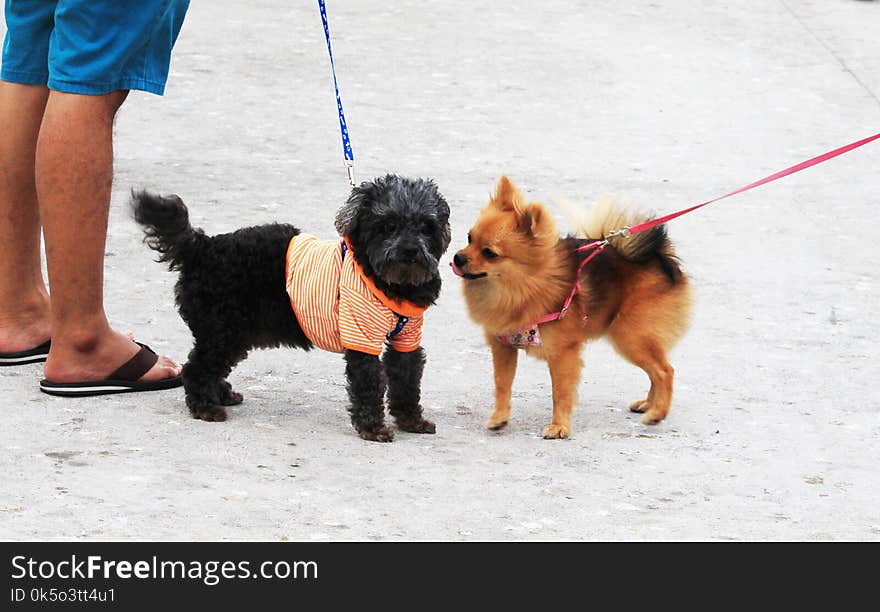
x=347, y=152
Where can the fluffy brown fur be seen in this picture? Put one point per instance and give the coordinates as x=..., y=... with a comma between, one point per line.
x=516, y=268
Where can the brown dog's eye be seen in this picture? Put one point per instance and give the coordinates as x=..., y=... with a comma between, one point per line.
x=489, y=254
x=469, y=237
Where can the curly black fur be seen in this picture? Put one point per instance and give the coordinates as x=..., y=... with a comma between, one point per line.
x=366, y=390
x=166, y=226
x=405, y=389
x=400, y=229
x=231, y=290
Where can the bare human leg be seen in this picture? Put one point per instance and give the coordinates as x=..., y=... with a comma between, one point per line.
x=74, y=171
x=24, y=302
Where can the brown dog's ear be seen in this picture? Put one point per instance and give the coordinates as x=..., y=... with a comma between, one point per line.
x=536, y=221
x=507, y=196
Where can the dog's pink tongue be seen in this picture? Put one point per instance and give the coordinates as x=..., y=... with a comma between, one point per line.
x=455, y=269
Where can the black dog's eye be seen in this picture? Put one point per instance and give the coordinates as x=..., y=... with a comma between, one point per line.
x=469, y=237
x=428, y=228
x=390, y=226
x=489, y=254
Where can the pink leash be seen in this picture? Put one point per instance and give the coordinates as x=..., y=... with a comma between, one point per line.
x=641, y=227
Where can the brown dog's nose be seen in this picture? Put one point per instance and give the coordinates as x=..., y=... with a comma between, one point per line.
x=460, y=260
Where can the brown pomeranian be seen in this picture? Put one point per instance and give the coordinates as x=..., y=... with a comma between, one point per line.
x=532, y=289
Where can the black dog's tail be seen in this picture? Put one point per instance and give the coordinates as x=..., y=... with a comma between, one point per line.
x=166, y=226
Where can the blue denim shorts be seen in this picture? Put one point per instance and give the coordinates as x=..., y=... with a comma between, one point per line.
x=91, y=46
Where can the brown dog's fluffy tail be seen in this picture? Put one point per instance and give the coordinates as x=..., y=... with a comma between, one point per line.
x=608, y=215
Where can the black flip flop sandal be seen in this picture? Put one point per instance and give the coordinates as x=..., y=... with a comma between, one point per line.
x=34, y=355
x=123, y=380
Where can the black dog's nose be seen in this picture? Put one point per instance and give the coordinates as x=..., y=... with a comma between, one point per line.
x=460, y=260
x=409, y=252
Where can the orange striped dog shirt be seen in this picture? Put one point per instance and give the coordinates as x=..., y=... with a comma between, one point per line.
x=339, y=308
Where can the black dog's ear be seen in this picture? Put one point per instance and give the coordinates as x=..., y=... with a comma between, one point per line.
x=442, y=214
x=445, y=229
x=446, y=233
x=347, y=215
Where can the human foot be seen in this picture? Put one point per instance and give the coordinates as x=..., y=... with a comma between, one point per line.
x=26, y=325
x=127, y=378
x=95, y=358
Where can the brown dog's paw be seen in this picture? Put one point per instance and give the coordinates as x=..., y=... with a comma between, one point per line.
x=653, y=416
x=639, y=406
x=498, y=420
x=379, y=434
x=554, y=431
x=215, y=414
x=420, y=426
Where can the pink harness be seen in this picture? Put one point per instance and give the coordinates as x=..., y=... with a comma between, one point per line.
x=531, y=335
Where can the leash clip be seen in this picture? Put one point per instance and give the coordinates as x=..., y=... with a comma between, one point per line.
x=349, y=167
x=623, y=232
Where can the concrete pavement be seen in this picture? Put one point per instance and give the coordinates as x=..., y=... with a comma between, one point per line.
x=773, y=431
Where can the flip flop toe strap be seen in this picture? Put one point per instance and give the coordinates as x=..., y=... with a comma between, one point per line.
x=133, y=369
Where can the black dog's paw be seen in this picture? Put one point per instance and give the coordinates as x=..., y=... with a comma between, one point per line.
x=209, y=413
x=213, y=414
x=416, y=425
x=227, y=396
x=231, y=398
x=382, y=433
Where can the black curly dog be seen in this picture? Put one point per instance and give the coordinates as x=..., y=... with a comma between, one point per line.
x=231, y=293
